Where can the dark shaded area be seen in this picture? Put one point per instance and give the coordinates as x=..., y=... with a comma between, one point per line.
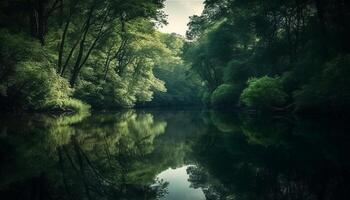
x=273, y=158
x=272, y=55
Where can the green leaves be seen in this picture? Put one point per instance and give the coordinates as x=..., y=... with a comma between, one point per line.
x=264, y=93
x=328, y=91
x=226, y=95
x=29, y=78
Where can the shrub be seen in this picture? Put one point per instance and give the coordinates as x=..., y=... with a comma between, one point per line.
x=226, y=95
x=113, y=94
x=37, y=84
x=69, y=105
x=15, y=48
x=41, y=88
x=264, y=93
x=29, y=80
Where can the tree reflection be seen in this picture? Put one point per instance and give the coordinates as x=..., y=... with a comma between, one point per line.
x=118, y=156
x=272, y=158
x=79, y=157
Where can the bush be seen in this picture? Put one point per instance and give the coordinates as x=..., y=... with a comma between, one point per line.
x=67, y=106
x=41, y=88
x=37, y=84
x=225, y=95
x=264, y=93
x=113, y=94
x=15, y=48
x=29, y=80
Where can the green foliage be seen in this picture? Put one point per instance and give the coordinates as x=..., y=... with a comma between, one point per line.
x=225, y=122
x=39, y=85
x=129, y=83
x=101, y=52
x=328, y=91
x=68, y=105
x=204, y=62
x=15, y=48
x=206, y=98
x=225, y=95
x=29, y=80
x=40, y=88
x=106, y=95
x=121, y=154
x=98, y=141
x=112, y=55
x=232, y=41
x=182, y=86
x=264, y=93
x=238, y=72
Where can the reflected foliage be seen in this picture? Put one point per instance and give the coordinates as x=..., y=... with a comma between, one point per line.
x=272, y=158
x=119, y=155
x=79, y=157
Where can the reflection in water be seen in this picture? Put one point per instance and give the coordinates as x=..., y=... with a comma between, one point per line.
x=180, y=187
x=78, y=157
x=273, y=158
x=173, y=155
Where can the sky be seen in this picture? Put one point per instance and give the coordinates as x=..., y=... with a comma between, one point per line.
x=178, y=12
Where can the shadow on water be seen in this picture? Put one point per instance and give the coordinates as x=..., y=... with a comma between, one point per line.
x=140, y=154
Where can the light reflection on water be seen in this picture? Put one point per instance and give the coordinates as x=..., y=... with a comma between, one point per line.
x=179, y=187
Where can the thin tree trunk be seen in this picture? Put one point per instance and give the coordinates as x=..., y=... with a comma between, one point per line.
x=69, y=57
x=80, y=62
x=107, y=63
x=61, y=48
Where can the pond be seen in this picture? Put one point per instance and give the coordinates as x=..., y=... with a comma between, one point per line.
x=174, y=155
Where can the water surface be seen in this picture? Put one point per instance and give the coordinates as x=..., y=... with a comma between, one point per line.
x=180, y=186
x=170, y=155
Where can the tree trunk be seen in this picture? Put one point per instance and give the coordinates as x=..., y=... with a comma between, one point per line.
x=38, y=19
x=61, y=48
x=80, y=61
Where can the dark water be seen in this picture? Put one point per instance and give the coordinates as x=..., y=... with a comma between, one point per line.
x=175, y=155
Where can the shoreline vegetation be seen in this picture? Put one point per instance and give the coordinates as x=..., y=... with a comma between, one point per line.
x=71, y=56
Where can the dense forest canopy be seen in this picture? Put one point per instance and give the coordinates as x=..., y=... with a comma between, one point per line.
x=67, y=55
x=57, y=54
x=265, y=63
x=273, y=55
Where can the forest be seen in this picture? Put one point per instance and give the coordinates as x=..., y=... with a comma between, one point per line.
x=74, y=55
x=250, y=102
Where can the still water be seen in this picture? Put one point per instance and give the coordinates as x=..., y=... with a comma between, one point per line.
x=173, y=155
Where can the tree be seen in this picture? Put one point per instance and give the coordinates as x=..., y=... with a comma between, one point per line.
x=264, y=93
x=103, y=48
x=225, y=96
x=233, y=41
